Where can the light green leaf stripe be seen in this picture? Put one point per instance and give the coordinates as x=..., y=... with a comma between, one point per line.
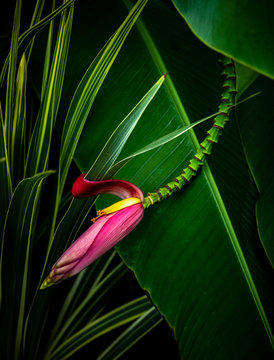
x=12, y=61
x=32, y=31
x=41, y=138
x=155, y=144
x=239, y=253
x=16, y=247
x=131, y=335
x=17, y=148
x=93, y=296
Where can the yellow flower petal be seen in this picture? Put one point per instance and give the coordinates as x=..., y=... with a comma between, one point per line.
x=119, y=205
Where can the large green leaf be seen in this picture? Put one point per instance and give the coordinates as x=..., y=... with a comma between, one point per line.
x=197, y=254
x=256, y=123
x=242, y=30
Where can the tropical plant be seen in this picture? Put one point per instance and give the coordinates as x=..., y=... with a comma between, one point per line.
x=70, y=81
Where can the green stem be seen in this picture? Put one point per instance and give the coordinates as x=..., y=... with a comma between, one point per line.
x=227, y=99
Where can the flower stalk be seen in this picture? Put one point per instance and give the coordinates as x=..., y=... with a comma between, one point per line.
x=205, y=148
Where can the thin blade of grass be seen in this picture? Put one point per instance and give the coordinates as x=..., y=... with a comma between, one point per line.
x=17, y=148
x=131, y=335
x=88, y=307
x=5, y=178
x=39, y=148
x=11, y=76
x=15, y=255
x=167, y=138
x=119, y=137
x=28, y=35
x=106, y=323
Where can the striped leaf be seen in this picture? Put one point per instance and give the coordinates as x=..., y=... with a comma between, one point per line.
x=137, y=330
x=102, y=325
x=5, y=178
x=39, y=147
x=15, y=261
x=37, y=25
x=17, y=146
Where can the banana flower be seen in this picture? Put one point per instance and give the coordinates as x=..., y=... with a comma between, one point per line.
x=110, y=226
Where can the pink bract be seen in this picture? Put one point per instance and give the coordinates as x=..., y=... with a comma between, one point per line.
x=105, y=233
x=124, y=189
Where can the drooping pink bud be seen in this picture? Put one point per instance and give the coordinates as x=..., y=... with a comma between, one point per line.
x=112, y=225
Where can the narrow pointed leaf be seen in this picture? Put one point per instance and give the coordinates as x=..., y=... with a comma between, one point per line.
x=17, y=238
x=28, y=35
x=5, y=179
x=131, y=335
x=38, y=151
x=155, y=144
x=11, y=75
x=17, y=147
x=87, y=91
x=119, y=137
x=102, y=325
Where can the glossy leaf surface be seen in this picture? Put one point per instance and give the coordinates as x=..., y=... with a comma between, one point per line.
x=239, y=29
x=197, y=254
x=256, y=124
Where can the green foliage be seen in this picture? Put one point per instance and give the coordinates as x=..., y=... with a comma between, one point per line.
x=204, y=256
x=239, y=29
x=33, y=206
x=198, y=254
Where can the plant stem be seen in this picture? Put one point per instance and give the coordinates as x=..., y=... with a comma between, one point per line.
x=227, y=100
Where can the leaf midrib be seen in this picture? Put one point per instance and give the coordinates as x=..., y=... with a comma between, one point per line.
x=159, y=63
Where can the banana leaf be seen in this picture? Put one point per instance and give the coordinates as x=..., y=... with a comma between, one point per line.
x=197, y=254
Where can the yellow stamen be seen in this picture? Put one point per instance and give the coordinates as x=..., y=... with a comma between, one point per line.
x=117, y=206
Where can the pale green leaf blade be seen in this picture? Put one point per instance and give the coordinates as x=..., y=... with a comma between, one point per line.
x=91, y=304
x=119, y=137
x=11, y=75
x=15, y=256
x=18, y=134
x=131, y=335
x=108, y=322
x=5, y=179
x=39, y=148
x=29, y=34
x=155, y=144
